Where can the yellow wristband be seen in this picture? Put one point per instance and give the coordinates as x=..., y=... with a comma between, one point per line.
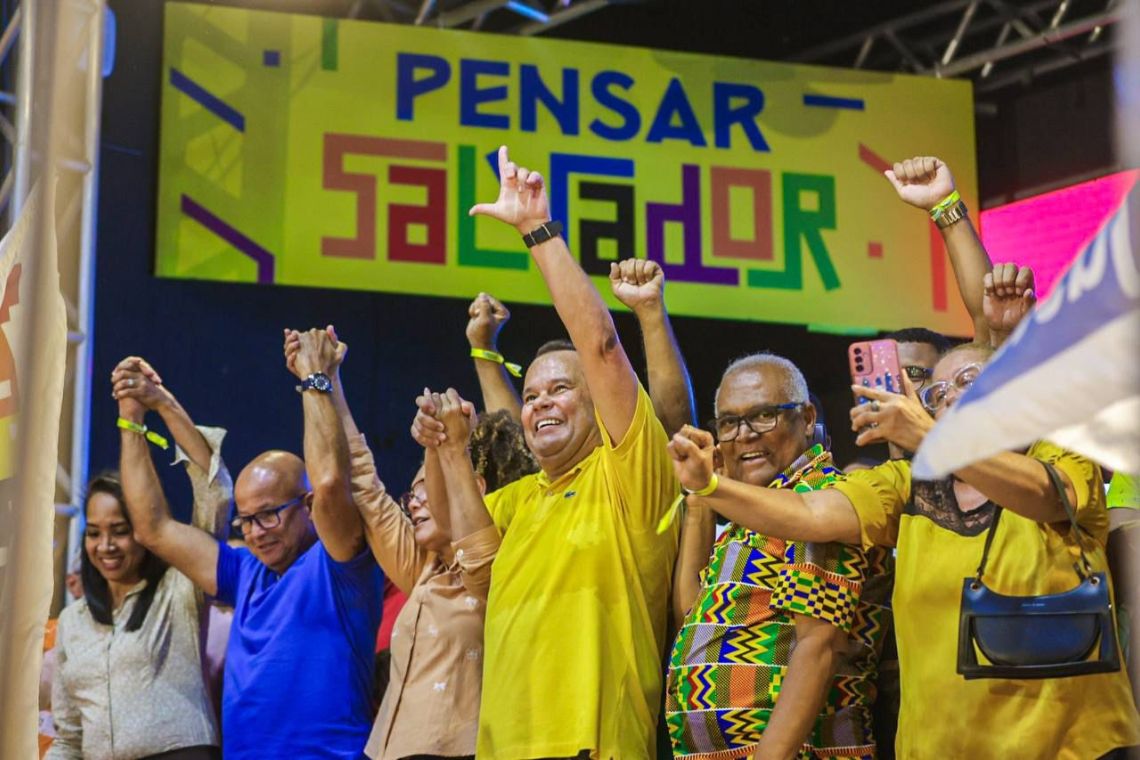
x=714, y=481
x=679, y=502
x=142, y=430
x=944, y=204
x=497, y=358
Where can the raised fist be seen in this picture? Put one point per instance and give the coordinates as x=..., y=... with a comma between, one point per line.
x=638, y=283
x=923, y=181
x=487, y=317
x=1007, y=296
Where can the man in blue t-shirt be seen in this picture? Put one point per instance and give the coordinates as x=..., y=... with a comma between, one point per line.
x=306, y=592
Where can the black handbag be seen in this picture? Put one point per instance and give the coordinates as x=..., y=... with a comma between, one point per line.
x=1050, y=636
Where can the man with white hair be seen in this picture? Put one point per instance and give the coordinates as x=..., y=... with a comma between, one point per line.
x=777, y=650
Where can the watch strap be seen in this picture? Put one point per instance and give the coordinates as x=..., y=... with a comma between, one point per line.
x=952, y=215
x=311, y=383
x=542, y=233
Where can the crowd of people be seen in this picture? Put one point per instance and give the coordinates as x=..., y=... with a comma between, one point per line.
x=581, y=563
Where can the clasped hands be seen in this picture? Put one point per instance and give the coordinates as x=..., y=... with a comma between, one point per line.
x=311, y=351
x=443, y=421
x=138, y=388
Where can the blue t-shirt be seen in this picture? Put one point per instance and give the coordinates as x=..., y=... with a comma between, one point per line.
x=299, y=661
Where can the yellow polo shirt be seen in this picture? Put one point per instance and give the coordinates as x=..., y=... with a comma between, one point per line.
x=576, y=614
x=943, y=715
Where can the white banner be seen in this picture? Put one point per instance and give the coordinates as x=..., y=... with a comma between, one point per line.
x=1069, y=373
x=33, y=351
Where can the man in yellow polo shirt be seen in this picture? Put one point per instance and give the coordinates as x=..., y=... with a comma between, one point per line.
x=577, y=608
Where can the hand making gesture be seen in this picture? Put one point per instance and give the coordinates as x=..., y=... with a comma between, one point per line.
x=522, y=197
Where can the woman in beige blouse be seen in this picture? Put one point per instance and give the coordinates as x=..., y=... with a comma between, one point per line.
x=431, y=708
x=128, y=681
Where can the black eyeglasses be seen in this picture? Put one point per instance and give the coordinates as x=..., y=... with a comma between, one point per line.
x=918, y=375
x=266, y=518
x=759, y=420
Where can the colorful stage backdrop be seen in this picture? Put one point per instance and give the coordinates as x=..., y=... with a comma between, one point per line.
x=305, y=151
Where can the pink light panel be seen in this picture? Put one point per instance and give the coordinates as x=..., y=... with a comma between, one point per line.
x=1047, y=231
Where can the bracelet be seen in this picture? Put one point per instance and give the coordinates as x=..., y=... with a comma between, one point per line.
x=941, y=207
x=679, y=502
x=497, y=358
x=542, y=233
x=144, y=431
x=714, y=481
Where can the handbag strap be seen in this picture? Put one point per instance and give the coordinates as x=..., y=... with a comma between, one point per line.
x=1063, y=495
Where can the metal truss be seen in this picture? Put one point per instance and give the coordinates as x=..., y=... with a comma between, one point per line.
x=996, y=43
x=29, y=76
x=522, y=17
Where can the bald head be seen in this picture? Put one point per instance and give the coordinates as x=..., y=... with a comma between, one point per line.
x=274, y=471
x=269, y=486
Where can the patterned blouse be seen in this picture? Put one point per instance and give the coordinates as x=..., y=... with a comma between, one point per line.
x=732, y=652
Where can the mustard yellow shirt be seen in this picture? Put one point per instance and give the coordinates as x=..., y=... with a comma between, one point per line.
x=577, y=609
x=943, y=715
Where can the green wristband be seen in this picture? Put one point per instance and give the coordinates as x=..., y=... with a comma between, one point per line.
x=145, y=432
x=497, y=358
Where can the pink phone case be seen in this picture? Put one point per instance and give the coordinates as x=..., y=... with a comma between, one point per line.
x=875, y=364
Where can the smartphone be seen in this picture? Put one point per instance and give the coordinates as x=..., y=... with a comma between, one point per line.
x=875, y=364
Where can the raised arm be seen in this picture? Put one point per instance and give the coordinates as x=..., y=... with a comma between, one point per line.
x=640, y=285
x=198, y=447
x=487, y=317
x=924, y=182
x=1008, y=295
x=612, y=382
x=387, y=531
x=190, y=550
x=326, y=448
x=467, y=512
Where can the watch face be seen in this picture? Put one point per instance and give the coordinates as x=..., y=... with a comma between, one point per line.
x=320, y=383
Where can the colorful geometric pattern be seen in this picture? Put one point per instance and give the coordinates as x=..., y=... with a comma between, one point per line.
x=803, y=592
x=730, y=657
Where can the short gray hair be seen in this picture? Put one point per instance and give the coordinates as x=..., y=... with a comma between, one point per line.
x=793, y=387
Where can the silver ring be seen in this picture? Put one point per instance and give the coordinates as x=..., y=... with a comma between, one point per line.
x=130, y=382
x=874, y=406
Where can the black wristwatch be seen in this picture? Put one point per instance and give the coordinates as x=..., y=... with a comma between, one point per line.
x=542, y=233
x=318, y=381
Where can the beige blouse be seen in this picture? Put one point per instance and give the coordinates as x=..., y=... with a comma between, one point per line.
x=121, y=695
x=432, y=703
